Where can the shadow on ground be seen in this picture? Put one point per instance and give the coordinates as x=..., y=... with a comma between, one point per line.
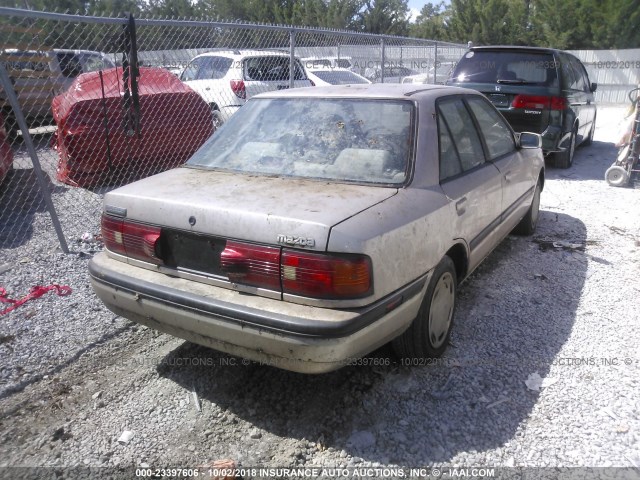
x=590, y=163
x=20, y=199
x=514, y=315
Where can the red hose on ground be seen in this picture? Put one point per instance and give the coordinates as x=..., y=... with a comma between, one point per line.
x=35, y=292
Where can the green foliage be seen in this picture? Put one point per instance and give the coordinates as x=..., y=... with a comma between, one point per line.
x=567, y=24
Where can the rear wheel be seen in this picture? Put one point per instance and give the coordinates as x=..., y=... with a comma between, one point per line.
x=217, y=117
x=527, y=225
x=428, y=335
x=616, y=176
x=565, y=159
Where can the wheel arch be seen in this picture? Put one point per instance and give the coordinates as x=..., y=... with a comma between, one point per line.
x=460, y=257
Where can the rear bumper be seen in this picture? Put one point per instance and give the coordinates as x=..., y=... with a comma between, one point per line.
x=293, y=337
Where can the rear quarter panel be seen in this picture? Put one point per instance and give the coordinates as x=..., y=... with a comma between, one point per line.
x=405, y=236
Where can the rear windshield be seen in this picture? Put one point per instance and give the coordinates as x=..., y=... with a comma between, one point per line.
x=267, y=69
x=507, y=67
x=338, y=77
x=363, y=141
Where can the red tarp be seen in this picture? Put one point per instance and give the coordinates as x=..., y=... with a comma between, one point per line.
x=174, y=122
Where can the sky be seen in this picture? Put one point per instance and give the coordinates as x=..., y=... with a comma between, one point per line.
x=415, y=6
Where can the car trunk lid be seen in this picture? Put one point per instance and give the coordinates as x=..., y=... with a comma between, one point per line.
x=197, y=206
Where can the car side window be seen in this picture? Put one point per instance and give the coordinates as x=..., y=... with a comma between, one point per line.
x=496, y=132
x=579, y=82
x=191, y=72
x=213, y=68
x=70, y=65
x=568, y=74
x=450, y=165
x=582, y=73
x=463, y=132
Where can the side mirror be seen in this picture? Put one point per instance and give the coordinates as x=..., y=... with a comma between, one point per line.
x=529, y=140
x=594, y=87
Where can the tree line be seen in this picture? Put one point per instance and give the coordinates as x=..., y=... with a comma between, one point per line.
x=567, y=24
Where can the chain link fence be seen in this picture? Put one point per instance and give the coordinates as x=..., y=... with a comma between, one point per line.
x=92, y=103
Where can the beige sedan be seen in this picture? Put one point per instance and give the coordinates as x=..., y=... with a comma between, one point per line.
x=320, y=223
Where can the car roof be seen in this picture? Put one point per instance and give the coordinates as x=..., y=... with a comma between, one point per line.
x=242, y=53
x=374, y=90
x=516, y=47
x=328, y=69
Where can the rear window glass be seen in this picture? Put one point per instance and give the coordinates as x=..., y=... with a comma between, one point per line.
x=507, y=67
x=93, y=62
x=363, y=141
x=213, y=68
x=338, y=77
x=266, y=69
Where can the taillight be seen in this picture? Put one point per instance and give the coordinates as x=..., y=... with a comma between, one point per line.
x=539, y=102
x=252, y=265
x=558, y=103
x=131, y=239
x=325, y=276
x=237, y=87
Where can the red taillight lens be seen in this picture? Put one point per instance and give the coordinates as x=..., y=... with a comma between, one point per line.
x=325, y=276
x=237, y=86
x=131, y=239
x=536, y=102
x=558, y=103
x=112, y=234
x=539, y=102
x=252, y=265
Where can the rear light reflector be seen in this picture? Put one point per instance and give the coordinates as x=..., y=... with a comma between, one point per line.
x=133, y=240
x=558, y=103
x=237, y=87
x=252, y=265
x=539, y=102
x=325, y=276
x=112, y=234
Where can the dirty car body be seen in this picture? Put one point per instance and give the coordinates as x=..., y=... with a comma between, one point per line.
x=319, y=224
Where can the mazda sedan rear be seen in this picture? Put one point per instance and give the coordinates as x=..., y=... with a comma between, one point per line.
x=319, y=224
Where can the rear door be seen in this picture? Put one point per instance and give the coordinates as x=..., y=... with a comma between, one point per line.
x=500, y=145
x=266, y=73
x=473, y=185
x=583, y=98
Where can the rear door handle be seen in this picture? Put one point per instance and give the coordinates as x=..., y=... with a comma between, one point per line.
x=460, y=208
x=507, y=176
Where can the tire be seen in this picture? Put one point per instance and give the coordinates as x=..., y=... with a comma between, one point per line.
x=527, y=225
x=589, y=140
x=565, y=159
x=217, y=118
x=428, y=335
x=616, y=176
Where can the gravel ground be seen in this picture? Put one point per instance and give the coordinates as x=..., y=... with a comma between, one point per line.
x=559, y=305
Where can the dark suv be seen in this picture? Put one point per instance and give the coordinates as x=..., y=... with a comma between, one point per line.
x=538, y=90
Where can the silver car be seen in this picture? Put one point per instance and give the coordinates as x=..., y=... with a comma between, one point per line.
x=320, y=223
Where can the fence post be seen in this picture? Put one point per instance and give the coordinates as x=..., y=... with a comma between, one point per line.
x=292, y=56
x=46, y=194
x=435, y=62
x=382, y=60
